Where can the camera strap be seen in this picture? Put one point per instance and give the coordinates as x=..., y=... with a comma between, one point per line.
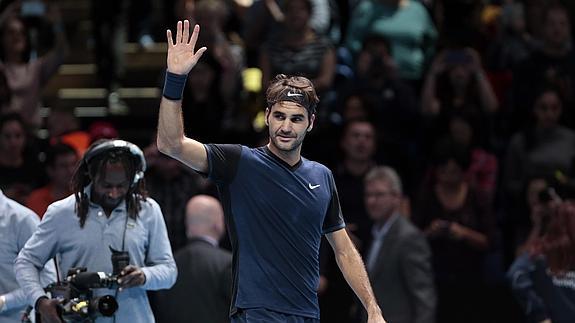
x=123, y=249
x=57, y=268
x=124, y=233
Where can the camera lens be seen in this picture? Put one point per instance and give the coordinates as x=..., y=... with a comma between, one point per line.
x=106, y=305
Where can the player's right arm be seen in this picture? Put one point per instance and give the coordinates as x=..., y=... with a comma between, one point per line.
x=171, y=140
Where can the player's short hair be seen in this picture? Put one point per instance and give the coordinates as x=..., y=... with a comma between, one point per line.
x=297, y=89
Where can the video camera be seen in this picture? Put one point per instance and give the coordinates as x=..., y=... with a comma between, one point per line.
x=76, y=295
x=77, y=300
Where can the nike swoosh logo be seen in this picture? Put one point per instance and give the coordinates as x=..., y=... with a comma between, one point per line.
x=313, y=187
x=290, y=94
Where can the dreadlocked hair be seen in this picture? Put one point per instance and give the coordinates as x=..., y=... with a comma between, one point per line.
x=86, y=172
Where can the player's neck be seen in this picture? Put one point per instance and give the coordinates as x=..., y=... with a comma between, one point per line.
x=291, y=157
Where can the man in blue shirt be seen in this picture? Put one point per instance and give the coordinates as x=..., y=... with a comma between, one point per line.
x=17, y=223
x=109, y=210
x=277, y=203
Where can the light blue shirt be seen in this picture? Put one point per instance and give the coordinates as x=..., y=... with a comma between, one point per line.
x=378, y=235
x=60, y=234
x=17, y=223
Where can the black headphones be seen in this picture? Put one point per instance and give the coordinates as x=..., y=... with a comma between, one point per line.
x=119, y=145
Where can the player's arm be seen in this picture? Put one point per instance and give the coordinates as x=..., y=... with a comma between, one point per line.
x=171, y=140
x=350, y=263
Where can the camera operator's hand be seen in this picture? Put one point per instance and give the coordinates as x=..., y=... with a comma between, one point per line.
x=48, y=309
x=131, y=276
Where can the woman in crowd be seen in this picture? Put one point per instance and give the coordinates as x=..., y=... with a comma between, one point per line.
x=20, y=170
x=299, y=50
x=25, y=74
x=543, y=148
x=457, y=221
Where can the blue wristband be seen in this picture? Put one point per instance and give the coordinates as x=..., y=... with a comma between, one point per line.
x=174, y=86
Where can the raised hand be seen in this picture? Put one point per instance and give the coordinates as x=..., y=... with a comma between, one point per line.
x=181, y=55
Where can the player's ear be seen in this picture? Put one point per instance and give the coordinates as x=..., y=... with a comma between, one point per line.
x=311, y=121
x=267, y=114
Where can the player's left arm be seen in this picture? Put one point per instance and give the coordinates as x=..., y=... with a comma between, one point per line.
x=350, y=263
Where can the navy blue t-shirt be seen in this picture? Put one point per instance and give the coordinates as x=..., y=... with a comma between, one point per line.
x=276, y=215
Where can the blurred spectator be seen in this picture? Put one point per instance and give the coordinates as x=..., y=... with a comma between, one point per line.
x=399, y=258
x=20, y=169
x=25, y=74
x=405, y=23
x=358, y=144
x=513, y=44
x=357, y=105
x=543, y=148
x=202, y=267
x=543, y=278
x=171, y=184
x=483, y=168
x=553, y=63
x=63, y=126
x=205, y=106
x=537, y=206
x=458, y=223
x=61, y=162
x=299, y=50
x=102, y=130
x=212, y=91
x=395, y=106
x=262, y=22
x=535, y=11
x=456, y=81
x=395, y=102
x=212, y=16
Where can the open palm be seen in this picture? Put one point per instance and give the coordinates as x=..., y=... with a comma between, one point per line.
x=181, y=56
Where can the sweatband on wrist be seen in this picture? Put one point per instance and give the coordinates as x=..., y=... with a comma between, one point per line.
x=174, y=86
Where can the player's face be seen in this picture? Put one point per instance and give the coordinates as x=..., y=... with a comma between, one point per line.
x=288, y=123
x=110, y=186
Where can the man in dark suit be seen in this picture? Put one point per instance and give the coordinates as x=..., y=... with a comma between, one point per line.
x=399, y=258
x=202, y=292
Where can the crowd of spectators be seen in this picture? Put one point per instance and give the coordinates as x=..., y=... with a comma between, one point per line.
x=471, y=101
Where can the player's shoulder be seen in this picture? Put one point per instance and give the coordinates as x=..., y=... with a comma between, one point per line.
x=315, y=166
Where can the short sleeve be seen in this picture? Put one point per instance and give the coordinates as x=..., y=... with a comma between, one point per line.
x=333, y=220
x=223, y=162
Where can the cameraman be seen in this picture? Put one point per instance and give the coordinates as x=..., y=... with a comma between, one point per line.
x=109, y=209
x=17, y=224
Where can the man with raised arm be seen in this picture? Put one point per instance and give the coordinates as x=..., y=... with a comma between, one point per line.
x=277, y=203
